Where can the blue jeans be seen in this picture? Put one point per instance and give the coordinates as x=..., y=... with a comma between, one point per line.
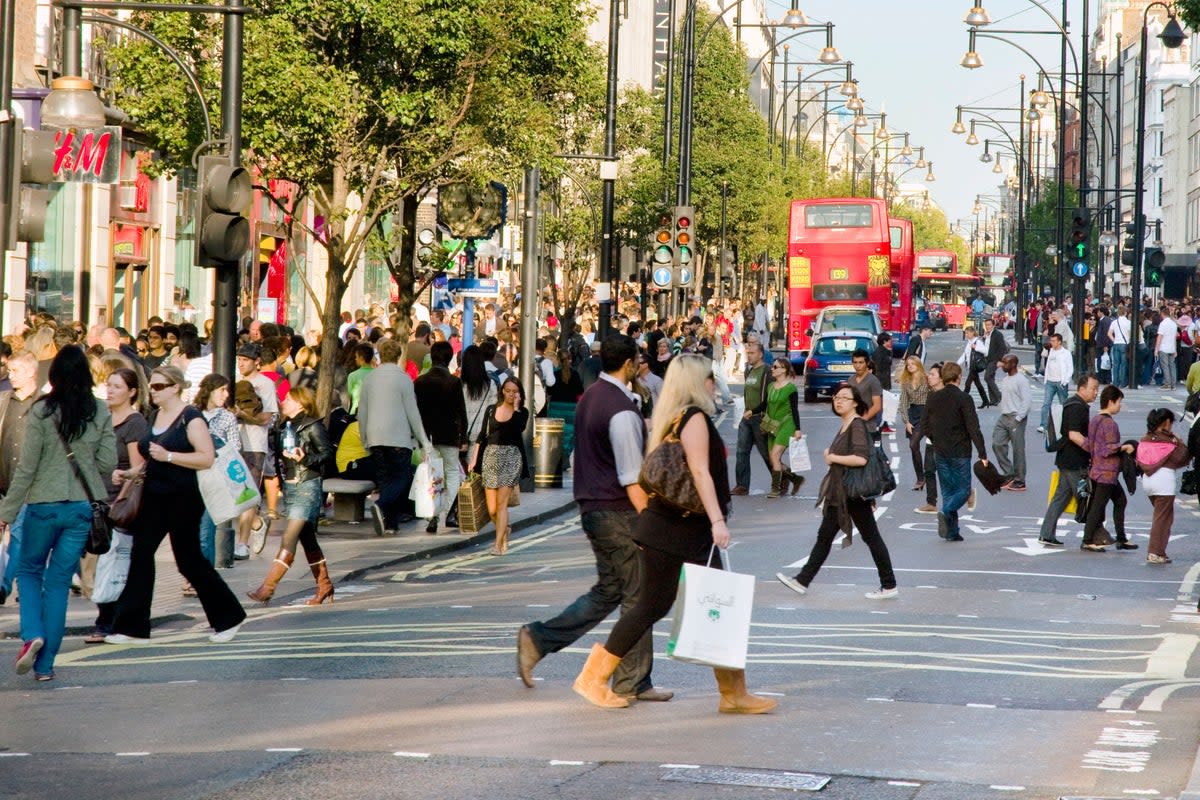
x=618, y=583
x=208, y=538
x=394, y=476
x=750, y=438
x=1053, y=390
x=50, y=554
x=954, y=474
x=14, y=551
x=1120, y=365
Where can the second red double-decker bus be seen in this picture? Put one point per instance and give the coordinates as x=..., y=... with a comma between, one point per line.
x=938, y=281
x=839, y=253
x=904, y=259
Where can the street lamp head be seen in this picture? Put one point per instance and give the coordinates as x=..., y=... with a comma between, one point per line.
x=977, y=17
x=978, y=208
x=971, y=60
x=794, y=18
x=1033, y=115
x=958, y=126
x=921, y=162
x=860, y=121
x=1172, y=35
x=1039, y=98
x=882, y=133
x=986, y=158
x=972, y=139
x=829, y=55
x=907, y=150
x=72, y=103
x=849, y=88
x=997, y=168
x=929, y=176
x=855, y=104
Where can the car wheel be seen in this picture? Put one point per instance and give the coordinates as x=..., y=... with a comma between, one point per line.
x=810, y=395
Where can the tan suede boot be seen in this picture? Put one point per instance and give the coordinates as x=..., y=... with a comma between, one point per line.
x=279, y=567
x=592, y=683
x=776, y=484
x=734, y=697
x=316, y=563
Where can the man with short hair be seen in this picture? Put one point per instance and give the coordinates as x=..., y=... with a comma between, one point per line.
x=916, y=344
x=997, y=348
x=1015, y=403
x=953, y=427
x=1059, y=368
x=389, y=422
x=1119, y=332
x=418, y=345
x=591, y=368
x=364, y=357
x=156, y=340
x=1166, y=345
x=15, y=405
x=444, y=414
x=933, y=376
x=609, y=440
x=754, y=390
x=1072, y=460
x=868, y=386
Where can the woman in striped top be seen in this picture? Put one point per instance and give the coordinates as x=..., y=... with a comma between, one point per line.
x=914, y=391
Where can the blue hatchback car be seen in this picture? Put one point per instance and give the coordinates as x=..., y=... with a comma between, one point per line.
x=828, y=364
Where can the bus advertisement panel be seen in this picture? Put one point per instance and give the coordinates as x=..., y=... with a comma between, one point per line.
x=904, y=259
x=839, y=253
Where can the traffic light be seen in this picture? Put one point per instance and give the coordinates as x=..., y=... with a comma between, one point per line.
x=224, y=195
x=682, y=228
x=32, y=161
x=1155, y=259
x=1129, y=246
x=662, y=254
x=1079, y=238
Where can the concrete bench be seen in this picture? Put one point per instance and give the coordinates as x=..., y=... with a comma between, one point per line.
x=349, y=498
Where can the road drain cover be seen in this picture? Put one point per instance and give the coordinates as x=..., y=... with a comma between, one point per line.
x=724, y=776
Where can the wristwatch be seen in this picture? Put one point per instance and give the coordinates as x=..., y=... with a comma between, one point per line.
x=170, y=456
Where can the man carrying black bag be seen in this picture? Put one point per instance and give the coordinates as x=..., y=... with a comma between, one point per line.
x=953, y=427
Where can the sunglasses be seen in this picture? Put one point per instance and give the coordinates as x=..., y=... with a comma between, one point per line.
x=158, y=387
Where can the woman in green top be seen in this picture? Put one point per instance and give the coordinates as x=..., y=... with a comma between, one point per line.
x=781, y=424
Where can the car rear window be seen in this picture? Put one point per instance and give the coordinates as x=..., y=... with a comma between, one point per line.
x=840, y=345
x=849, y=322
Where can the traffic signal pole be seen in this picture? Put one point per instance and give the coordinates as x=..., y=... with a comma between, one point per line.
x=226, y=297
x=8, y=192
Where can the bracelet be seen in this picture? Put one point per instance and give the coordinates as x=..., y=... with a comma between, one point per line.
x=715, y=521
x=170, y=455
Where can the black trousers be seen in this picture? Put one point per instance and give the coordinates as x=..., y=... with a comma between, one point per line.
x=1101, y=494
x=863, y=516
x=660, y=583
x=177, y=515
x=973, y=379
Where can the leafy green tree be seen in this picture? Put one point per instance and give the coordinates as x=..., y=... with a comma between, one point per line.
x=931, y=231
x=367, y=105
x=1041, y=225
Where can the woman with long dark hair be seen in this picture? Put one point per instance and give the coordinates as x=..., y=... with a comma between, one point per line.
x=501, y=455
x=305, y=450
x=479, y=392
x=177, y=445
x=67, y=425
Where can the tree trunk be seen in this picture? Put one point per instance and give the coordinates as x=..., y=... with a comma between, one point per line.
x=405, y=274
x=335, y=289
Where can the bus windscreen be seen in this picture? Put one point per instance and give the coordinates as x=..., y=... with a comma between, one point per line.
x=838, y=215
x=935, y=263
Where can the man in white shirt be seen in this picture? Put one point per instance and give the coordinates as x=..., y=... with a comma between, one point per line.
x=761, y=320
x=1015, y=404
x=1166, y=345
x=1059, y=369
x=1119, y=332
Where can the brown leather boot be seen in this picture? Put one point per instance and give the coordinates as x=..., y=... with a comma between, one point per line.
x=279, y=567
x=776, y=484
x=592, y=683
x=316, y=563
x=734, y=697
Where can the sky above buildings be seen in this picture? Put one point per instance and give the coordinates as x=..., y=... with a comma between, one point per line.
x=906, y=59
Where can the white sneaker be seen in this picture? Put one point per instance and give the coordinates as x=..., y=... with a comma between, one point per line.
x=241, y=552
x=1040, y=429
x=791, y=583
x=120, y=638
x=221, y=637
x=258, y=535
x=883, y=594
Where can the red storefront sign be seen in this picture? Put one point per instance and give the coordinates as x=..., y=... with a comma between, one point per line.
x=87, y=156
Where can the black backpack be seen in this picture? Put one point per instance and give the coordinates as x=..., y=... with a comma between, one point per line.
x=1055, y=439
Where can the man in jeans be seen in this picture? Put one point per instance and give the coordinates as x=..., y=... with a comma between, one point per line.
x=1166, y=345
x=1072, y=460
x=929, y=468
x=609, y=439
x=444, y=414
x=750, y=437
x=952, y=428
x=1118, y=333
x=1059, y=368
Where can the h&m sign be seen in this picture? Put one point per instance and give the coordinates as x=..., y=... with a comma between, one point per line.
x=84, y=156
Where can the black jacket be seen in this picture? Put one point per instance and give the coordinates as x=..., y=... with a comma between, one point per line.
x=443, y=410
x=951, y=423
x=997, y=347
x=313, y=439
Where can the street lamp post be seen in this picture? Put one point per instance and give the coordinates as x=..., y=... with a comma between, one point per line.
x=1172, y=36
x=609, y=178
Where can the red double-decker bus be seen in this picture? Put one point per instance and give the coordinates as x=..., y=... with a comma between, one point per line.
x=904, y=260
x=939, y=281
x=839, y=253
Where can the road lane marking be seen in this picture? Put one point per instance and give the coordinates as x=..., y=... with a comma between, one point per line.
x=1009, y=573
x=1188, y=585
x=407, y=754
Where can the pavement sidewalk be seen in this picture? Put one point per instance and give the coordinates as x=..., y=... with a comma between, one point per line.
x=351, y=551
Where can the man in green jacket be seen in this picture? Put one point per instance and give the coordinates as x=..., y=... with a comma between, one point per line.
x=749, y=434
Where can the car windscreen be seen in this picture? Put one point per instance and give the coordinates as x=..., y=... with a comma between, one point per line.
x=840, y=345
x=849, y=322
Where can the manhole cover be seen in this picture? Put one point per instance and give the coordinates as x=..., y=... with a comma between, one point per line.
x=724, y=776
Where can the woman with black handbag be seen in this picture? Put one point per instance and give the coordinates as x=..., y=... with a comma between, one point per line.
x=851, y=450
x=69, y=445
x=685, y=517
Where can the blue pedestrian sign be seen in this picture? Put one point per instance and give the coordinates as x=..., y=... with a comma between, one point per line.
x=685, y=276
x=1079, y=269
x=662, y=277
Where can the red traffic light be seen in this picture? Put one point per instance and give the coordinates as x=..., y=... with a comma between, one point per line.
x=683, y=222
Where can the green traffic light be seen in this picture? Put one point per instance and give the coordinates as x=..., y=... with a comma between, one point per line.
x=1081, y=249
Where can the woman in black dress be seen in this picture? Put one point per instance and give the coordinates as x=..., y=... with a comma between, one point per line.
x=668, y=539
x=501, y=455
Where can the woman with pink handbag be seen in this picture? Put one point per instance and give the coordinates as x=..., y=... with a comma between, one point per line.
x=1160, y=453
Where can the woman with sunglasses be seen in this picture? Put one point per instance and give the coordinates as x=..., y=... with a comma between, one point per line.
x=850, y=449
x=177, y=445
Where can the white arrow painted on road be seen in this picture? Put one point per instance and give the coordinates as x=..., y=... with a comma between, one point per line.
x=980, y=529
x=1034, y=548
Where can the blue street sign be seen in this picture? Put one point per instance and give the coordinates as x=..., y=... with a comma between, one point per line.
x=685, y=276
x=1079, y=269
x=662, y=277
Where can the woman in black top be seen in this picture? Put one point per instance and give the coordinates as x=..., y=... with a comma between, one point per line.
x=850, y=449
x=177, y=445
x=668, y=539
x=501, y=455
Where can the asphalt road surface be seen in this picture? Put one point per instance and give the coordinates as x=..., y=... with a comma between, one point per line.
x=1003, y=670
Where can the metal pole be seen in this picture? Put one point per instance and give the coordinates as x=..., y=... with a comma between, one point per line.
x=607, y=167
x=8, y=12
x=228, y=275
x=1077, y=309
x=770, y=106
x=1019, y=263
x=1101, y=161
x=529, y=297
x=72, y=41
x=721, y=259
x=683, y=191
x=1139, y=219
x=1060, y=173
x=668, y=100
x=1119, y=147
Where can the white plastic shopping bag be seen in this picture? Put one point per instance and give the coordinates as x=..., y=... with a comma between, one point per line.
x=712, y=617
x=226, y=486
x=891, y=407
x=112, y=568
x=428, y=484
x=797, y=454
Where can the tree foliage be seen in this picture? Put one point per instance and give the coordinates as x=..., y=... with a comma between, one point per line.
x=1041, y=225
x=931, y=231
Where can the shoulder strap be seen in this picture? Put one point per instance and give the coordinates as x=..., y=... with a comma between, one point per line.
x=74, y=465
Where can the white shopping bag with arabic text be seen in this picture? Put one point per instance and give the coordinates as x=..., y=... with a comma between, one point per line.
x=112, y=568
x=712, y=617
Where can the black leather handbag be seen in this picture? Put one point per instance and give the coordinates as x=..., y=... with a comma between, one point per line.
x=871, y=480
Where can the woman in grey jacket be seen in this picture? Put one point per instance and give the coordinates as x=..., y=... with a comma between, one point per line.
x=58, y=515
